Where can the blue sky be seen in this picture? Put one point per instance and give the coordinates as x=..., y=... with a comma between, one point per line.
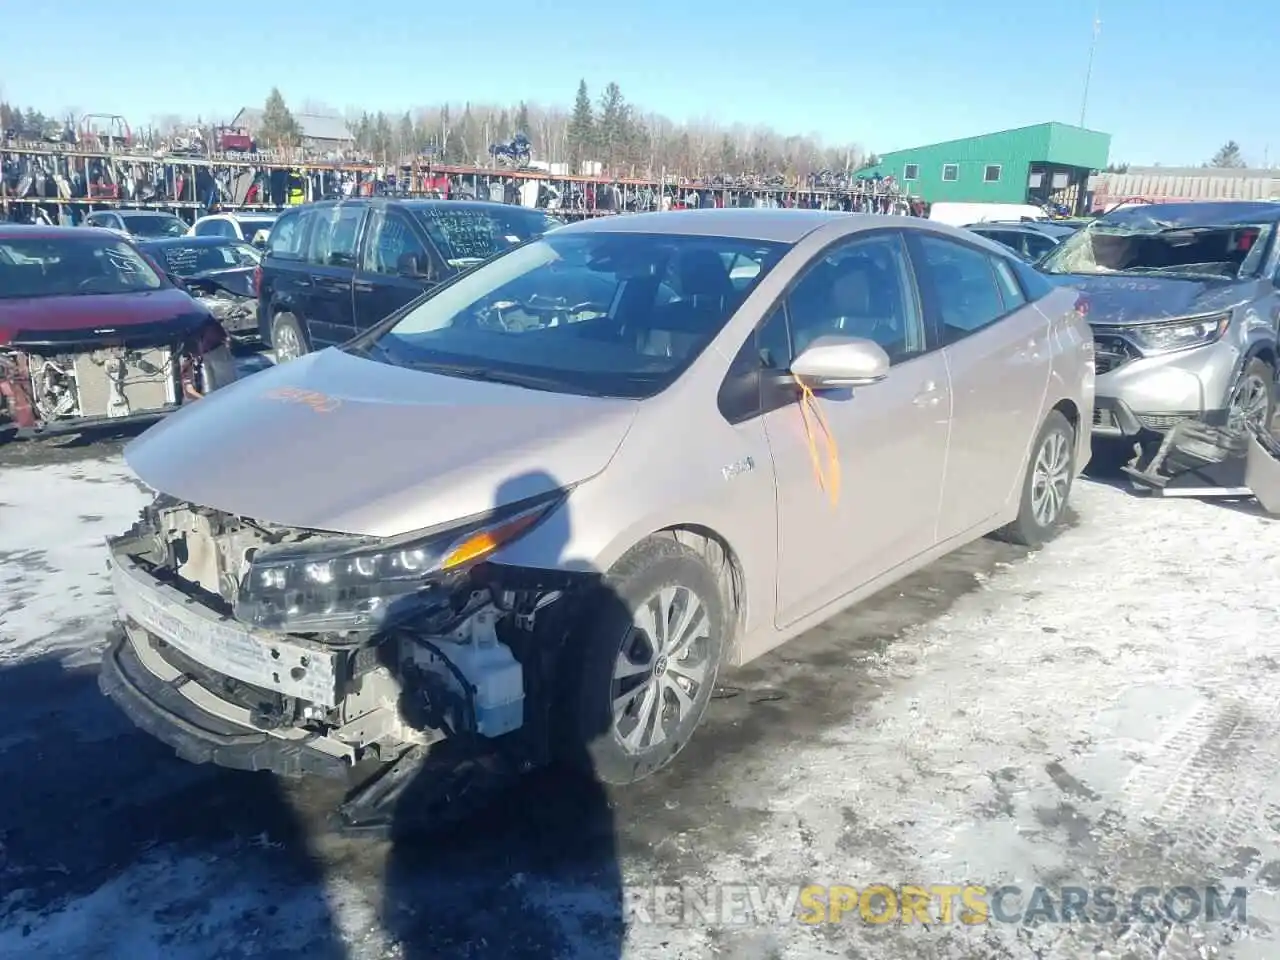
x=1172, y=79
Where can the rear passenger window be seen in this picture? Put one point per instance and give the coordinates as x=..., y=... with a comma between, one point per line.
x=964, y=280
x=334, y=236
x=1010, y=291
x=1038, y=246
x=285, y=240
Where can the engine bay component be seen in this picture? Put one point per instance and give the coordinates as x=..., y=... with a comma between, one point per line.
x=238, y=314
x=112, y=382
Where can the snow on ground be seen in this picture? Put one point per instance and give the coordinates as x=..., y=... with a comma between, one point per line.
x=53, y=585
x=1100, y=713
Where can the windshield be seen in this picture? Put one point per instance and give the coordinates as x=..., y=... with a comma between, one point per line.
x=1223, y=251
x=467, y=235
x=188, y=259
x=250, y=228
x=608, y=314
x=161, y=226
x=72, y=266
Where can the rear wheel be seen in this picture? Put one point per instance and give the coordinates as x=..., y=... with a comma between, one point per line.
x=642, y=667
x=1047, y=485
x=287, y=338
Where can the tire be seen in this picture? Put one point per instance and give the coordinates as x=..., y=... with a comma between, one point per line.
x=1053, y=459
x=589, y=736
x=1256, y=370
x=217, y=369
x=284, y=328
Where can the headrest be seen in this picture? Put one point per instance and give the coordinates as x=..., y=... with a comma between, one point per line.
x=703, y=274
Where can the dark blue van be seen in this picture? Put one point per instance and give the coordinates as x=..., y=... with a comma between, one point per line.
x=334, y=268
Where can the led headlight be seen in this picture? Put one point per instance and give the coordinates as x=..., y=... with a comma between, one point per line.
x=1169, y=336
x=360, y=583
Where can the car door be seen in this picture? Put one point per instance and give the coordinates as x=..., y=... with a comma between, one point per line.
x=395, y=267
x=331, y=261
x=890, y=437
x=996, y=348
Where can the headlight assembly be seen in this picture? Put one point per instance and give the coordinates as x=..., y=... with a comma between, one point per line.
x=339, y=584
x=1169, y=336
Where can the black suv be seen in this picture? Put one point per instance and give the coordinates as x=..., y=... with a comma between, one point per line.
x=334, y=268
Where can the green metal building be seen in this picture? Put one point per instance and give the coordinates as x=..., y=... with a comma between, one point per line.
x=1047, y=162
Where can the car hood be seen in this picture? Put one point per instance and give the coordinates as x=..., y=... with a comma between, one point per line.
x=332, y=441
x=99, y=313
x=235, y=280
x=1117, y=299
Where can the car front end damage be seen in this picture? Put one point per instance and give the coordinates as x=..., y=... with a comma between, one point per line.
x=229, y=296
x=255, y=646
x=54, y=381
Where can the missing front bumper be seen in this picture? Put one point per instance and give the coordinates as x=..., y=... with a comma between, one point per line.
x=161, y=708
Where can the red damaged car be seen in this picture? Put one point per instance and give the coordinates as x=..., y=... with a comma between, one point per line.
x=93, y=332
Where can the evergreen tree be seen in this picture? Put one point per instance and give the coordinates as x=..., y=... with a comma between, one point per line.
x=406, y=136
x=279, y=128
x=522, y=119
x=612, y=129
x=581, y=135
x=1228, y=155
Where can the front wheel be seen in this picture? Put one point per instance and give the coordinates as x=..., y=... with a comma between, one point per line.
x=1046, y=486
x=643, y=664
x=217, y=369
x=1253, y=399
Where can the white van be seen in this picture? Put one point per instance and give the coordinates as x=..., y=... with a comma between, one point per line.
x=962, y=214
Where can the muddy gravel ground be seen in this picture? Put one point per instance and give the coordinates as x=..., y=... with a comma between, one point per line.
x=1099, y=713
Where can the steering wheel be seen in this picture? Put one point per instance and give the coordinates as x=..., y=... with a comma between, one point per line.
x=88, y=283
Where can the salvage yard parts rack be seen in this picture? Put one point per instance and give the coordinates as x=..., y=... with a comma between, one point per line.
x=62, y=186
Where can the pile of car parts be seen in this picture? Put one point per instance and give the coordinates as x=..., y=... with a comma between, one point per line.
x=1196, y=459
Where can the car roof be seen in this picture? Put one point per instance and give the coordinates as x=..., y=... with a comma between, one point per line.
x=187, y=241
x=419, y=204
x=133, y=212
x=739, y=223
x=1196, y=213
x=40, y=231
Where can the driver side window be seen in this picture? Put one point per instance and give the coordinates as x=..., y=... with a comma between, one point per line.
x=863, y=288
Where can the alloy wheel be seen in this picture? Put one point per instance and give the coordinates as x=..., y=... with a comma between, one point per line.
x=287, y=346
x=1050, y=479
x=1251, y=402
x=661, y=668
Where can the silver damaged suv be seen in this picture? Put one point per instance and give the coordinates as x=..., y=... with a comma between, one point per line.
x=1184, y=301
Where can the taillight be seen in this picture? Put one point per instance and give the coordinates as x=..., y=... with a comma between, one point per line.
x=257, y=281
x=1082, y=306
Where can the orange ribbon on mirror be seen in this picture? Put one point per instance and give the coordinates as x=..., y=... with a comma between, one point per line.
x=815, y=428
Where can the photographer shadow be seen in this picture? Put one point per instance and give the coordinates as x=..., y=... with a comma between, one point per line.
x=530, y=870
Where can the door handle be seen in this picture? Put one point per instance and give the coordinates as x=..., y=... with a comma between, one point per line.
x=364, y=286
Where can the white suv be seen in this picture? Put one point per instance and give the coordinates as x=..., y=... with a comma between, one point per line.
x=249, y=227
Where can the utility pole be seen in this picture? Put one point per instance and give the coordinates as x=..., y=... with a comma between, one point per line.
x=1093, y=45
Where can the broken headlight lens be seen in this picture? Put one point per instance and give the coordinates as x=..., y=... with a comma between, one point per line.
x=341, y=584
x=1169, y=336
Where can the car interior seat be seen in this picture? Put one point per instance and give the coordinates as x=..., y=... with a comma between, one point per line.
x=706, y=298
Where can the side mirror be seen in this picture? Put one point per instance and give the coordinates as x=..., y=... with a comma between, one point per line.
x=408, y=265
x=841, y=362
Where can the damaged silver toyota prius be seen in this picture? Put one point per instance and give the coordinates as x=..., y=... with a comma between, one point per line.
x=529, y=516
